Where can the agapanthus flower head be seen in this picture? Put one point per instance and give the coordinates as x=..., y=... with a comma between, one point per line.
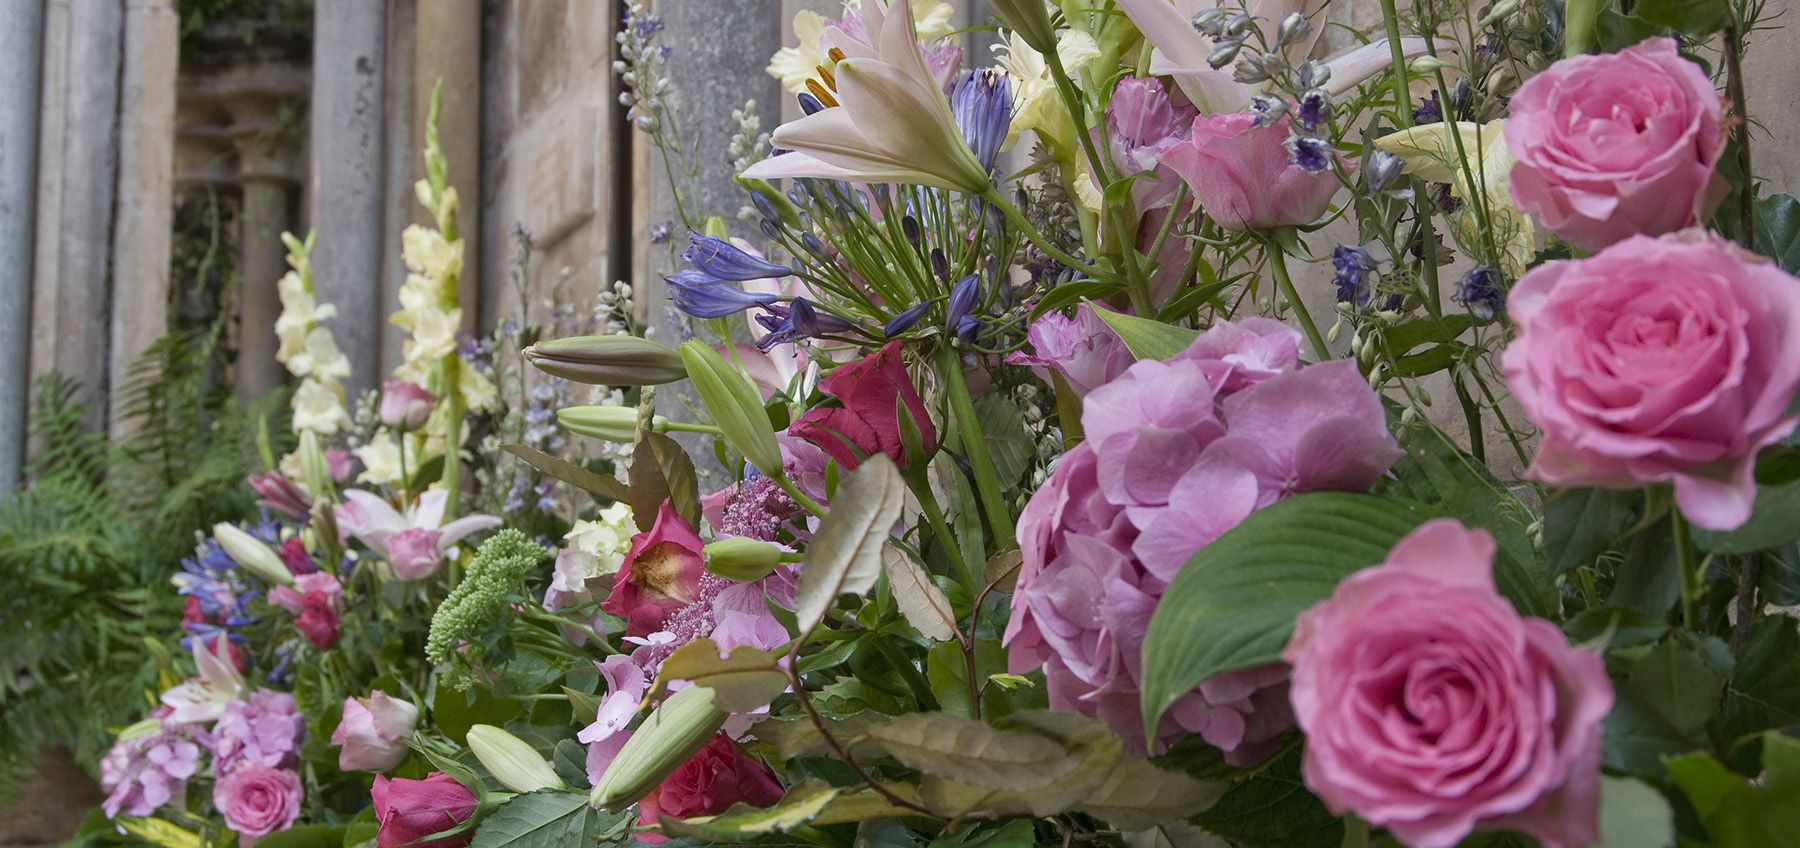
x=722, y=260
x=983, y=104
x=703, y=296
x=903, y=321
x=1482, y=291
x=959, y=310
x=798, y=319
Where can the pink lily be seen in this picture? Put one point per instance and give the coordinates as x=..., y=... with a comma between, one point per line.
x=1180, y=50
x=416, y=543
x=203, y=697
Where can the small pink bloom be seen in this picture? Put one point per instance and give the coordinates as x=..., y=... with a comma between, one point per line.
x=1142, y=123
x=1655, y=361
x=414, y=553
x=278, y=494
x=318, y=620
x=257, y=801
x=708, y=784
x=1241, y=176
x=405, y=405
x=295, y=556
x=339, y=463
x=872, y=393
x=415, y=543
x=1431, y=708
x=1617, y=144
x=661, y=574
x=1083, y=349
x=372, y=734
x=409, y=810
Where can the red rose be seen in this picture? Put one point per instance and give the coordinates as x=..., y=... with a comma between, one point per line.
x=873, y=393
x=413, y=809
x=707, y=784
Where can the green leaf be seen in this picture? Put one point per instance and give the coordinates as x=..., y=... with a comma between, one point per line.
x=1075, y=292
x=569, y=758
x=1735, y=813
x=1696, y=18
x=1580, y=524
x=1145, y=338
x=661, y=470
x=1138, y=795
x=1271, y=808
x=971, y=752
x=845, y=554
x=1663, y=701
x=306, y=836
x=747, y=679
x=1618, y=32
x=1649, y=578
x=799, y=806
x=1003, y=429
x=542, y=820
x=1778, y=578
x=1402, y=338
x=1771, y=523
x=1778, y=231
x=598, y=485
x=1764, y=692
x=1233, y=605
x=1634, y=815
x=920, y=601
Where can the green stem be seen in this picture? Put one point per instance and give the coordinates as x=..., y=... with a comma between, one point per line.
x=1390, y=18
x=453, y=415
x=934, y=516
x=1691, y=579
x=962, y=417
x=1278, y=264
x=993, y=195
x=799, y=497
x=690, y=427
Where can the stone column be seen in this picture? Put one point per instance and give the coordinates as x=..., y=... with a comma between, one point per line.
x=447, y=48
x=21, y=52
x=143, y=214
x=78, y=164
x=266, y=175
x=349, y=52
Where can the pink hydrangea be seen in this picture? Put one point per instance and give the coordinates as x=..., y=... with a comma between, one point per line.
x=1431, y=708
x=1082, y=349
x=265, y=730
x=1177, y=453
x=143, y=773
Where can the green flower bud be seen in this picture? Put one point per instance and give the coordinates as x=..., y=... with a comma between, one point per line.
x=742, y=558
x=676, y=731
x=607, y=423
x=1031, y=20
x=511, y=761
x=734, y=405
x=607, y=360
x=315, y=472
x=252, y=555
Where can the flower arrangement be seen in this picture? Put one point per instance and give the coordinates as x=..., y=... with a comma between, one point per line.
x=1050, y=514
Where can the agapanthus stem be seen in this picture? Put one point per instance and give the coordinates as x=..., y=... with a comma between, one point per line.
x=1278, y=265
x=993, y=195
x=1692, y=581
x=962, y=417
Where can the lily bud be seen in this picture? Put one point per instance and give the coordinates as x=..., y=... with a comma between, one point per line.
x=607, y=423
x=672, y=734
x=315, y=472
x=734, y=405
x=511, y=761
x=1031, y=20
x=742, y=558
x=252, y=555
x=607, y=360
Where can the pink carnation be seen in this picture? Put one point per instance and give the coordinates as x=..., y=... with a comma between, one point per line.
x=1656, y=361
x=1432, y=709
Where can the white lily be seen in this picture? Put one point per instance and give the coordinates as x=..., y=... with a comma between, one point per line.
x=892, y=122
x=1180, y=50
x=1430, y=152
x=203, y=698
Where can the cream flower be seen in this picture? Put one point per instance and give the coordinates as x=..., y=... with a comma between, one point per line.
x=478, y=392
x=1430, y=153
x=380, y=459
x=319, y=407
x=794, y=65
x=426, y=252
x=433, y=334
x=607, y=538
x=320, y=358
x=1035, y=102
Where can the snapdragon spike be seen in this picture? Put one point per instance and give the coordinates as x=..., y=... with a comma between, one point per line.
x=982, y=103
x=723, y=260
x=701, y=296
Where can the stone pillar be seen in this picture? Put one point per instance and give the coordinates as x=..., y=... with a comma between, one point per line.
x=143, y=214
x=447, y=47
x=21, y=52
x=266, y=175
x=78, y=163
x=349, y=52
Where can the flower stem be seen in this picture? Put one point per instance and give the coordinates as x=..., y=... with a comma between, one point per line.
x=689, y=427
x=993, y=195
x=962, y=417
x=1692, y=581
x=799, y=497
x=1278, y=264
x=1734, y=89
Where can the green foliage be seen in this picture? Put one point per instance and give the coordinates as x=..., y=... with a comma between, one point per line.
x=1735, y=812
x=88, y=546
x=479, y=604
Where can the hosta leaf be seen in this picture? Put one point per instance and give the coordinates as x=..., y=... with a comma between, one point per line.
x=920, y=601
x=746, y=679
x=1147, y=339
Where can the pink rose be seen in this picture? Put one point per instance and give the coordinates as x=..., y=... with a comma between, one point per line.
x=708, y=784
x=405, y=404
x=1617, y=144
x=1432, y=709
x=1658, y=360
x=1241, y=176
x=372, y=734
x=1083, y=349
x=661, y=574
x=257, y=801
x=409, y=810
x=872, y=392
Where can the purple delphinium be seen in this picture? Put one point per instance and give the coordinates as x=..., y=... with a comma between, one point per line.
x=1482, y=291
x=1351, y=266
